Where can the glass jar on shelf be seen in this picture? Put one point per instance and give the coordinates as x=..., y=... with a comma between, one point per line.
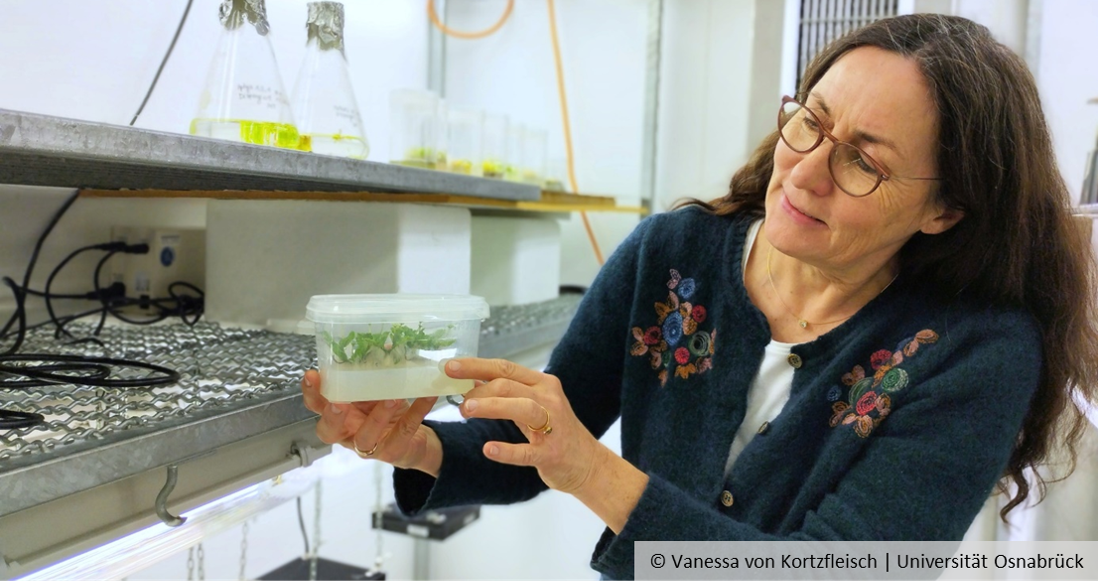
x=243, y=99
x=464, y=129
x=512, y=170
x=556, y=176
x=494, y=146
x=324, y=103
x=535, y=145
x=442, y=145
x=413, y=128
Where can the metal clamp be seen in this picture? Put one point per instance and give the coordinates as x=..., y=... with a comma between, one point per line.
x=162, y=499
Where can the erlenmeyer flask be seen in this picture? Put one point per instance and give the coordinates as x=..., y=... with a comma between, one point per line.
x=243, y=99
x=324, y=103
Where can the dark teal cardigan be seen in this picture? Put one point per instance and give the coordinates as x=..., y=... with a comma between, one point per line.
x=898, y=424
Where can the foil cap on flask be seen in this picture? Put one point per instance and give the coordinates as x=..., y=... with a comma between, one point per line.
x=233, y=13
x=325, y=24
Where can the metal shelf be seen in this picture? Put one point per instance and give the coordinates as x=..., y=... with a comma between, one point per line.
x=234, y=384
x=51, y=151
x=514, y=329
x=235, y=418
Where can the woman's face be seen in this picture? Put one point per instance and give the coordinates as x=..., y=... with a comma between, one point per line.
x=880, y=102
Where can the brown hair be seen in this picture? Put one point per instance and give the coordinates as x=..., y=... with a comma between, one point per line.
x=1016, y=245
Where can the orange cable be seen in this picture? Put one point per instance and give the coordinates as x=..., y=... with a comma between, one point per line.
x=567, y=129
x=433, y=15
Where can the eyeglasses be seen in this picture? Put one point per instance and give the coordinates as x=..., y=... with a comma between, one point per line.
x=853, y=170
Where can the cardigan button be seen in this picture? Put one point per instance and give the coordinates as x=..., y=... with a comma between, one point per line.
x=795, y=360
x=764, y=427
x=726, y=498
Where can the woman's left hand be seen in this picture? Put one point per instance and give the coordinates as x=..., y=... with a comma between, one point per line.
x=564, y=452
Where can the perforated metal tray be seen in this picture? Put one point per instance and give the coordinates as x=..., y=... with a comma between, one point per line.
x=234, y=384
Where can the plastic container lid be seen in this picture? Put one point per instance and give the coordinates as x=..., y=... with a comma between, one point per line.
x=395, y=307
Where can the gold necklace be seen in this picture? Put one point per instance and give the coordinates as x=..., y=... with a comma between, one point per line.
x=801, y=320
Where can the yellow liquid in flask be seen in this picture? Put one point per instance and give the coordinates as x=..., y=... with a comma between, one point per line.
x=339, y=145
x=254, y=132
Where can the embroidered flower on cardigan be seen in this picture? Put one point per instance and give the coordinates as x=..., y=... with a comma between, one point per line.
x=868, y=400
x=676, y=343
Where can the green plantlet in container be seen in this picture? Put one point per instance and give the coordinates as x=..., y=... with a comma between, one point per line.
x=386, y=348
x=421, y=157
x=492, y=168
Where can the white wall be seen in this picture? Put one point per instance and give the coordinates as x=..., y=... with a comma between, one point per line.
x=1067, y=77
x=721, y=80
x=513, y=72
x=1060, y=52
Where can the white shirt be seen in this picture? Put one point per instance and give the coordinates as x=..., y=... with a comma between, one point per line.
x=770, y=389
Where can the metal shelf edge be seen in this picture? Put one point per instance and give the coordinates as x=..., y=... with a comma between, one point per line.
x=52, y=151
x=29, y=486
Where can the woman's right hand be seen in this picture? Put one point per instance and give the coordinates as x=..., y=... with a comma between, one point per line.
x=388, y=430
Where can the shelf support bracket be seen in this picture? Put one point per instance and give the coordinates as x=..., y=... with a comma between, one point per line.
x=162, y=499
x=306, y=454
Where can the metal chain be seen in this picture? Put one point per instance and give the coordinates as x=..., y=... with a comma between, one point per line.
x=313, y=561
x=190, y=564
x=243, y=550
x=201, y=563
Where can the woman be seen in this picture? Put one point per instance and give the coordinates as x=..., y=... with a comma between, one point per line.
x=885, y=317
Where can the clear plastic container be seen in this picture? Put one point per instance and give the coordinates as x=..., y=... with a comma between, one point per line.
x=465, y=128
x=557, y=175
x=512, y=171
x=494, y=145
x=244, y=99
x=373, y=347
x=413, y=128
x=324, y=102
x=442, y=145
x=535, y=145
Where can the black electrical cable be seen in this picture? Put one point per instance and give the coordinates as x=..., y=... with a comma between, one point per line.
x=163, y=62
x=49, y=284
x=70, y=318
x=13, y=420
x=197, y=305
x=66, y=369
x=98, y=371
x=184, y=305
x=20, y=314
x=106, y=303
x=74, y=296
x=301, y=522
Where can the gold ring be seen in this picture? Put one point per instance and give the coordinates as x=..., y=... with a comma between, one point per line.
x=362, y=454
x=545, y=428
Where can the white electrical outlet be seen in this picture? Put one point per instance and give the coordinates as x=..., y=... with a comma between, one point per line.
x=175, y=255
